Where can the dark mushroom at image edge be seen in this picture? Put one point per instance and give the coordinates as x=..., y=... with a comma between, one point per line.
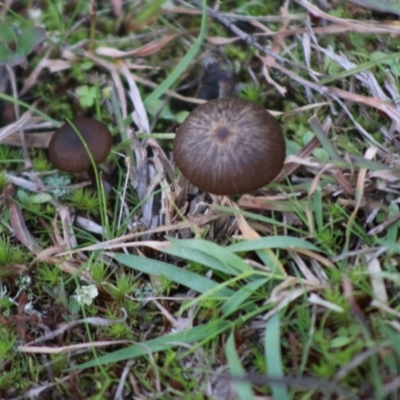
x=67, y=152
x=229, y=146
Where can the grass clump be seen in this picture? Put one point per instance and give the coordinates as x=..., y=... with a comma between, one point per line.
x=85, y=200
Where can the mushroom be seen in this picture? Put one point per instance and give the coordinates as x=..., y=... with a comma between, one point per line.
x=215, y=81
x=67, y=152
x=229, y=146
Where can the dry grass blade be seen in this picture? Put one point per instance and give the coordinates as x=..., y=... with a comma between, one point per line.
x=144, y=51
x=16, y=126
x=68, y=349
x=354, y=25
x=18, y=225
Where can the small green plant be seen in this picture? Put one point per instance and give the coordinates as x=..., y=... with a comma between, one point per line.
x=166, y=285
x=34, y=200
x=48, y=275
x=85, y=200
x=252, y=92
x=98, y=271
x=119, y=331
x=10, y=254
x=124, y=286
x=15, y=47
x=10, y=158
x=236, y=53
x=87, y=95
x=79, y=69
x=41, y=162
x=6, y=345
x=3, y=180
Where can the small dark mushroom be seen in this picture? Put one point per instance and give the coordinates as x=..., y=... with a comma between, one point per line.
x=215, y=81
x=229, y=146
x=67, y=152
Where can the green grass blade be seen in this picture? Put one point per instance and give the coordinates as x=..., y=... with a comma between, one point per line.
x=201, y=332
x=318, y=209
x=210, y=254
x=235, y=302
x=323, y=139
x=211, y=294
x=183, y=64
x=171, y=272
x=273, y=242
x=273, y=356
x=360, y=68
x=198, y=256
x=243, y=389
x=29, y=107
x=261, y=218
x=148, y=11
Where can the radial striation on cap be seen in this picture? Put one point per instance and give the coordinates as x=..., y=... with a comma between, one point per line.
x=229, y=146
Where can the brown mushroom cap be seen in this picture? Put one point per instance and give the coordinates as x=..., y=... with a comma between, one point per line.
x=67, y=152
x=229, y=146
